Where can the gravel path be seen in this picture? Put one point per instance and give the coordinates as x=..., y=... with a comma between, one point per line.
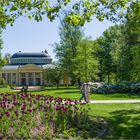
x=113, y=101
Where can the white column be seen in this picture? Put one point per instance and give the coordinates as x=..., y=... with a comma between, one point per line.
x=41, y=79
x=16, y=79
x=19, y=78
x=27, y=79
x=12, y=78
x=34, y=79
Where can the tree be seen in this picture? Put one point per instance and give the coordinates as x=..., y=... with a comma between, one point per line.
x=53, y=75
x=120, y=48
x=109, y=54
x=86, y=65
x=130, y=52
x=10, y=10
x=70, y=36
x=105, y=58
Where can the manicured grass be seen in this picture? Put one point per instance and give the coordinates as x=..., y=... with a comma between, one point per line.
x=123, y=119
x=74, y=93
x=4, y=90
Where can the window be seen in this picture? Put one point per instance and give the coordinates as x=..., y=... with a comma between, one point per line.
x=23, y=75
x=30, y=74
x=37, y=75
x=9, y=78
x=14, y=74
x=14, y=78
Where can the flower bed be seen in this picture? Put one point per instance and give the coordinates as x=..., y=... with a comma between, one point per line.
x=32, y=116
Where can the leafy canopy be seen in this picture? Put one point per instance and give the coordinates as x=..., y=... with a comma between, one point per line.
x=36, y=9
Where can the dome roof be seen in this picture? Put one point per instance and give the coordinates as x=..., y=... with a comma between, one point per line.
x=22, y=58
x=21, y=54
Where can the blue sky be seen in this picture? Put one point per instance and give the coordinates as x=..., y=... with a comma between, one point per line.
x=31, y=36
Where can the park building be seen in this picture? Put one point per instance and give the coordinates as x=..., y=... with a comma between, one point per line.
x=28, y=69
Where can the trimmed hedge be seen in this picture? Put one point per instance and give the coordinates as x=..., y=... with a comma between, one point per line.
x=116, y=88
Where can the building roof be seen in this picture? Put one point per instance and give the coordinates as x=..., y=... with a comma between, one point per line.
x=29, y=54
x=10, y=67
x=23, y=58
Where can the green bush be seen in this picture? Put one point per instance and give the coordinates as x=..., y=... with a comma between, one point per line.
x=3, y=83
x=123, y=87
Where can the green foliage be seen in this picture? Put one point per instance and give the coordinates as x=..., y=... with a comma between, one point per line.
x=116, y=51
x=37, y=9
x=3, y=82
x=132, y=39
x=109, y=55
x=86, y=65
x=123, y=87
x=53, y=75
x=119, y=49
x=70, y=36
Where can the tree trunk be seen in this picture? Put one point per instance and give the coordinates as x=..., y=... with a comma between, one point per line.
x=108, y=77
x=101, y=72
x=79, y=82
x=116, y=79
x=57, y=83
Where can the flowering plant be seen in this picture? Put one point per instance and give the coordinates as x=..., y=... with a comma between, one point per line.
x=32, y=116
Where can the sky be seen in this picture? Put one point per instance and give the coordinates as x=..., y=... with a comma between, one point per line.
x=31, y=36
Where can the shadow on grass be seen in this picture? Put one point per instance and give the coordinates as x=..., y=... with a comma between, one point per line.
x=124, y=124
x=59, y=91
x=67, y=92
x=89, y=129
x=119, y=95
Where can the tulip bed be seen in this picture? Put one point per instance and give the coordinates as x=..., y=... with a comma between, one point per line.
x=39, y=116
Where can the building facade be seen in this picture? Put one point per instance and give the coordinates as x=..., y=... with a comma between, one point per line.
x=28, y=69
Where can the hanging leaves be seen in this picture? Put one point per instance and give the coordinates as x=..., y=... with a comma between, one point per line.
x=111, y=9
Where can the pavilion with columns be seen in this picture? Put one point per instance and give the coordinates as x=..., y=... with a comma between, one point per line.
x=27, y=69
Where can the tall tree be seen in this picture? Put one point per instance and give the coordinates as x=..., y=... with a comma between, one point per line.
x=86, y=65
x=106, y=59
x=70, y=36
x=120, y=49
x=130, y=52
x=109, y=53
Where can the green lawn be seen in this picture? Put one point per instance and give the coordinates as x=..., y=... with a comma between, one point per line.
x=123, y=119
x=4, y=90
x=74, y=93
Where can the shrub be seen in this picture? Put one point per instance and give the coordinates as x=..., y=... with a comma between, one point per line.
x=3, y=83
x=123, y=87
